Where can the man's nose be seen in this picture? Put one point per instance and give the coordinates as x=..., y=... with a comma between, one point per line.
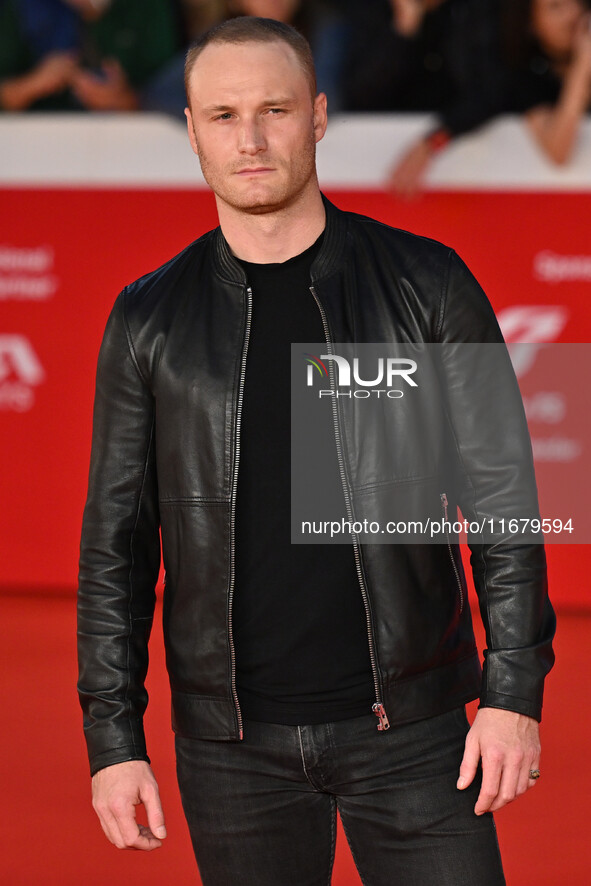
x=251, y=138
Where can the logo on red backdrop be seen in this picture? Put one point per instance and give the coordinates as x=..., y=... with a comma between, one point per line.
x=20, y=373
x=26, y=273
x=528, y=329
x=551, y=267
x=524, y=325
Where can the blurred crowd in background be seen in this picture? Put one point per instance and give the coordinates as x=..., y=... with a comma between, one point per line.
x=465, y=61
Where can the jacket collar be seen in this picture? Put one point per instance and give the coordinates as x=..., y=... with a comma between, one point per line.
x=328, y=260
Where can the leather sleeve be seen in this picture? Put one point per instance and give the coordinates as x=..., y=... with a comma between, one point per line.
x=493, y=450
x=119, y=554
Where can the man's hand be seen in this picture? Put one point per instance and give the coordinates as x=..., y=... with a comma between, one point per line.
x=116, y=791
x=509, y=745
x=406, y=177
x=53, y=74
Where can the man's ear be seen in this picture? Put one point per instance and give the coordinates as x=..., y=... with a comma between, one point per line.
x=191, y=130
x=320, y=116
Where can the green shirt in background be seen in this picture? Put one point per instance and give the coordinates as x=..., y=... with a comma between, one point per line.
x=142, y=35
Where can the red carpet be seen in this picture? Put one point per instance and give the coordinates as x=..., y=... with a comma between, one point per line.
x=49, y=834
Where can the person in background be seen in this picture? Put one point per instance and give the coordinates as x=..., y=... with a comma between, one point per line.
x=166, y=90
x=548, y=51
x=426, y=55
x=82, y=54
x=38, y=42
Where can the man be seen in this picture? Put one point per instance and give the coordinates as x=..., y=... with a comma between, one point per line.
x=283, y=659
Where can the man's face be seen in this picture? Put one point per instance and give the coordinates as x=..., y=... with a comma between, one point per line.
x=254, y=125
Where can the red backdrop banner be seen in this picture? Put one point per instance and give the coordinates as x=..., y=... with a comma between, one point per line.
x=66, y=253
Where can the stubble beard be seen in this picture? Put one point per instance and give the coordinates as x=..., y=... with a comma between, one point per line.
x=284, y=194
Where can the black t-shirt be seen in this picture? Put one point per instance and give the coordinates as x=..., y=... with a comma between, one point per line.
x=302, y=653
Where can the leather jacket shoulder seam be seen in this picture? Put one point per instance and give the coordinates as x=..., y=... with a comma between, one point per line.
x=129, y=338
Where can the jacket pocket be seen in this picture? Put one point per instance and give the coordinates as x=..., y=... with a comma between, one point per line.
x=444, y=506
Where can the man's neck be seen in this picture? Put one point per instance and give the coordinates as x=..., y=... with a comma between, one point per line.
x=273, y=236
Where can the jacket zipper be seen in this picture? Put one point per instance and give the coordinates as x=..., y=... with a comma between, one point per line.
x=444, y=503
x=378, y=707
x=233, y=510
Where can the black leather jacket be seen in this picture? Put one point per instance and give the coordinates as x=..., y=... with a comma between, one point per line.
x=165, y=454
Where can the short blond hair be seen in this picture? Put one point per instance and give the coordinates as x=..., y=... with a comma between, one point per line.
x=253, y=29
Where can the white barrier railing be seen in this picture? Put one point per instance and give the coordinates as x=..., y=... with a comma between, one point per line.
x=357, y=151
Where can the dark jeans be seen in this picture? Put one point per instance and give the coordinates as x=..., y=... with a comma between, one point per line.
x=262, y=812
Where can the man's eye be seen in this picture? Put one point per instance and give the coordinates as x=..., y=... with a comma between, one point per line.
x=276, y=110
x=225, y=116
